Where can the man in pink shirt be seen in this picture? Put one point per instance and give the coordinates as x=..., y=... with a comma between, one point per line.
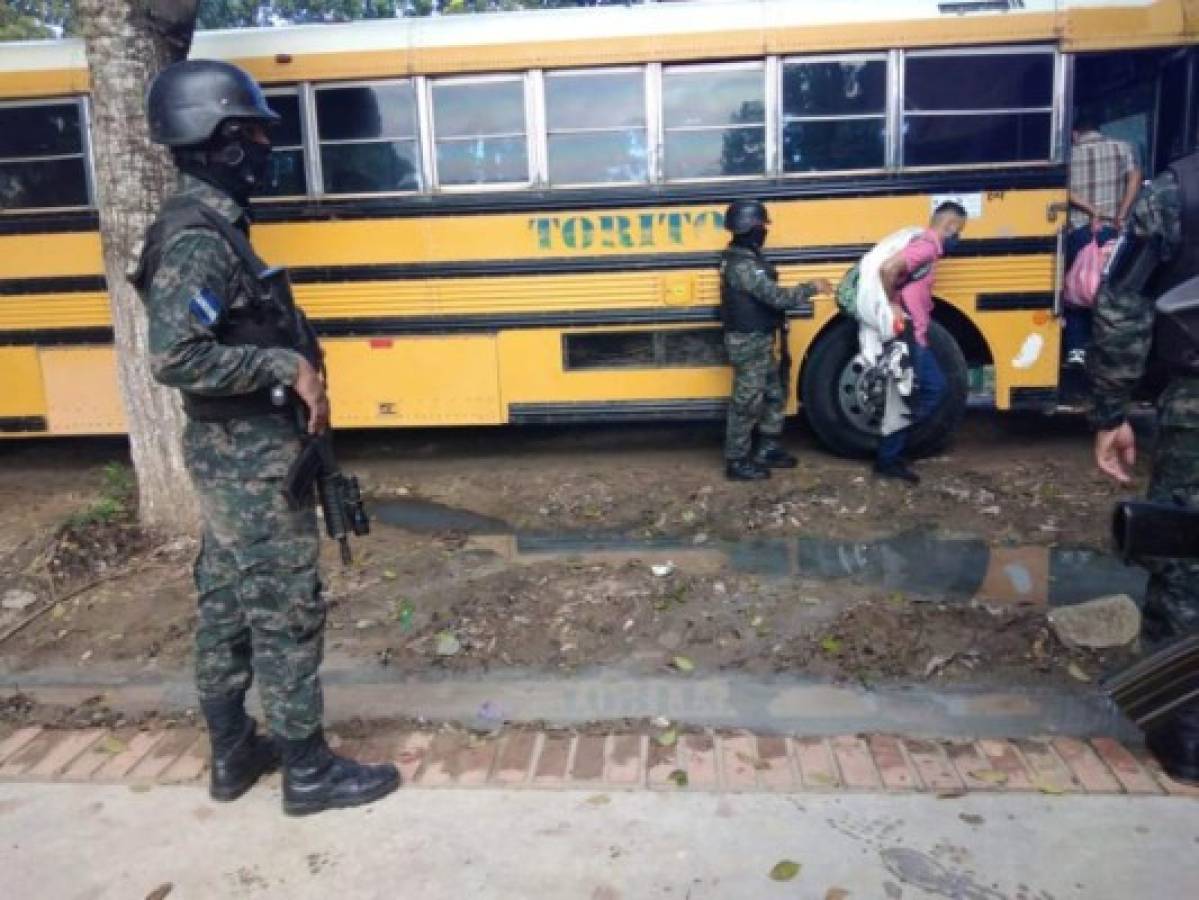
x=908, y=280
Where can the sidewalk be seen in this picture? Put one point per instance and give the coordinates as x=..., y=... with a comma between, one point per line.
x=605, y=815
x=66, y=841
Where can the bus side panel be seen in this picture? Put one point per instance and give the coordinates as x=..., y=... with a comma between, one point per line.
x=534, y=370
x=82, y=396
x=436, y=380
x=22, y=398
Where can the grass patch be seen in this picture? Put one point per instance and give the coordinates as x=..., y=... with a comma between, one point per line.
x=115, y=503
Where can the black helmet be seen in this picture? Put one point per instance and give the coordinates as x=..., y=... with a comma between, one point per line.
x=743, y=216
x=189, y=100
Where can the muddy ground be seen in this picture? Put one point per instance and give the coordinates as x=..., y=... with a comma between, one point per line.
x=547, y=557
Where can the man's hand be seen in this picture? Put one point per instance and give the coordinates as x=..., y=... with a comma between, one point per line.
x=1116, y=452
x=311, y=389
x=822, y=286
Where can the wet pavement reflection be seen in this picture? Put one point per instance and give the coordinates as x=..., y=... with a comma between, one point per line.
x=923, y=564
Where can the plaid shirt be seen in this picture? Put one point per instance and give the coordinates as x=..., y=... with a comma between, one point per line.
x=1099, y=168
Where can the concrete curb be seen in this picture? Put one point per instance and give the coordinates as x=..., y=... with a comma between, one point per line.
x=703, y=761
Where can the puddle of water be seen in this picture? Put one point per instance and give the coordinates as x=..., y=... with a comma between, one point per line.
x=427, y=517
x=919, y=563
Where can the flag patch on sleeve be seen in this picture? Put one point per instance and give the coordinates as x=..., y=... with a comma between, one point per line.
x=206, y=307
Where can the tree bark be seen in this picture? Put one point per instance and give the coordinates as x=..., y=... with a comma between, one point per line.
x=128, y=42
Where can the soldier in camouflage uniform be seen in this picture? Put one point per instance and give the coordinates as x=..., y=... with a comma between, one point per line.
x=753, y=309
x=224, y=330
x=1119, y=359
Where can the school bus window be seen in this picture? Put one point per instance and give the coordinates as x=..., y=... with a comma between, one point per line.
x=834, y=114
x=286, y=177
x=715, y=121
x=41, y=156
x=991, y=107
x=368, y=138
x=597, y=127
x=479, y=131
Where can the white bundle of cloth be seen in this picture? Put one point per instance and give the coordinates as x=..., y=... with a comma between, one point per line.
x=876, y=330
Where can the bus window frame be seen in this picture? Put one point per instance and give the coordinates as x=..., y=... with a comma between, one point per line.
x=890, y=135
x=545, y=132
x=759, y=63
x=316, y=188
x=82, y=104
x=532, y=175
x=988, y=50
x=297, y=91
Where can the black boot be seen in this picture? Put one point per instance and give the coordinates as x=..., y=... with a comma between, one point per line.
x=316, y=779
x=745, y=469
x=239, y=755
x=897, y=470
x=771, y=455
x=1175, y=744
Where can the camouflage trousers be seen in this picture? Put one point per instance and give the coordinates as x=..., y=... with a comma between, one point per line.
x=261, y=611
x=1172, y=601
x=758, y=397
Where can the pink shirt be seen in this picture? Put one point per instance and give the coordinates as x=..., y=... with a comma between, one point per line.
x=917, y=295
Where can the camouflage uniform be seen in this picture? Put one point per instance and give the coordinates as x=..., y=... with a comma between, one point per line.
x=759, y=396
x=260, y=605
x=1117, y=362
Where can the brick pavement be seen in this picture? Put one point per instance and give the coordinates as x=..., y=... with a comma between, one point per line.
x=668, y=761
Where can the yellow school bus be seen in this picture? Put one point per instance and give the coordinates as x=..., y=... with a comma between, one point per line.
x=515, y=217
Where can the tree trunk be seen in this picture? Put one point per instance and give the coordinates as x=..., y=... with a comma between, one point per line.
x=128, y=42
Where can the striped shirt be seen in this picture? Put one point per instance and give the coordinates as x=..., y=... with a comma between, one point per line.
x=1099, y=168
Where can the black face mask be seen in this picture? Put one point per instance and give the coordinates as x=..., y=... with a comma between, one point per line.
x=754, y=239
x=232, y=163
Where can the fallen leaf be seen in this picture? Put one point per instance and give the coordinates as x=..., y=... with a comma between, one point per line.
x=598, y=800
x=141, y=788
x=668, y=738
x=112, y=746
x=1048, y=787
x=447, y=644
x=988, y=776
x=831, y=645
x=753, y=762
x=785, y=870
x=836, y=893
x=161, y=891
x=819, y=778
x=679, y=777
x=683, y=664
x=951, y=794
x=389, y=575
x=1077, y=673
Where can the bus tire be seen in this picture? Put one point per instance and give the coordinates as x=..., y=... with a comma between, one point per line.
x=849, y=429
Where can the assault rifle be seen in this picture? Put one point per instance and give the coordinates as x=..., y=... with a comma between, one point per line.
x=1150, y=690
x=340, y=497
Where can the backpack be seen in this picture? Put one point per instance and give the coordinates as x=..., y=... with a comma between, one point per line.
x=847, y=291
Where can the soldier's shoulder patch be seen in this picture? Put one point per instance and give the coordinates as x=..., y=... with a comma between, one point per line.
x=206, y=307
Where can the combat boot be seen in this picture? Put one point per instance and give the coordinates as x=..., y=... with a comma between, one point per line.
x=1175, y=744
x=745, y=469
x=898, y=470
x=240, y=756
x=772, y=455
x=315, y=778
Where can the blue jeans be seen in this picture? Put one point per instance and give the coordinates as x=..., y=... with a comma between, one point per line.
x=1077, y=335
x=929, y=394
